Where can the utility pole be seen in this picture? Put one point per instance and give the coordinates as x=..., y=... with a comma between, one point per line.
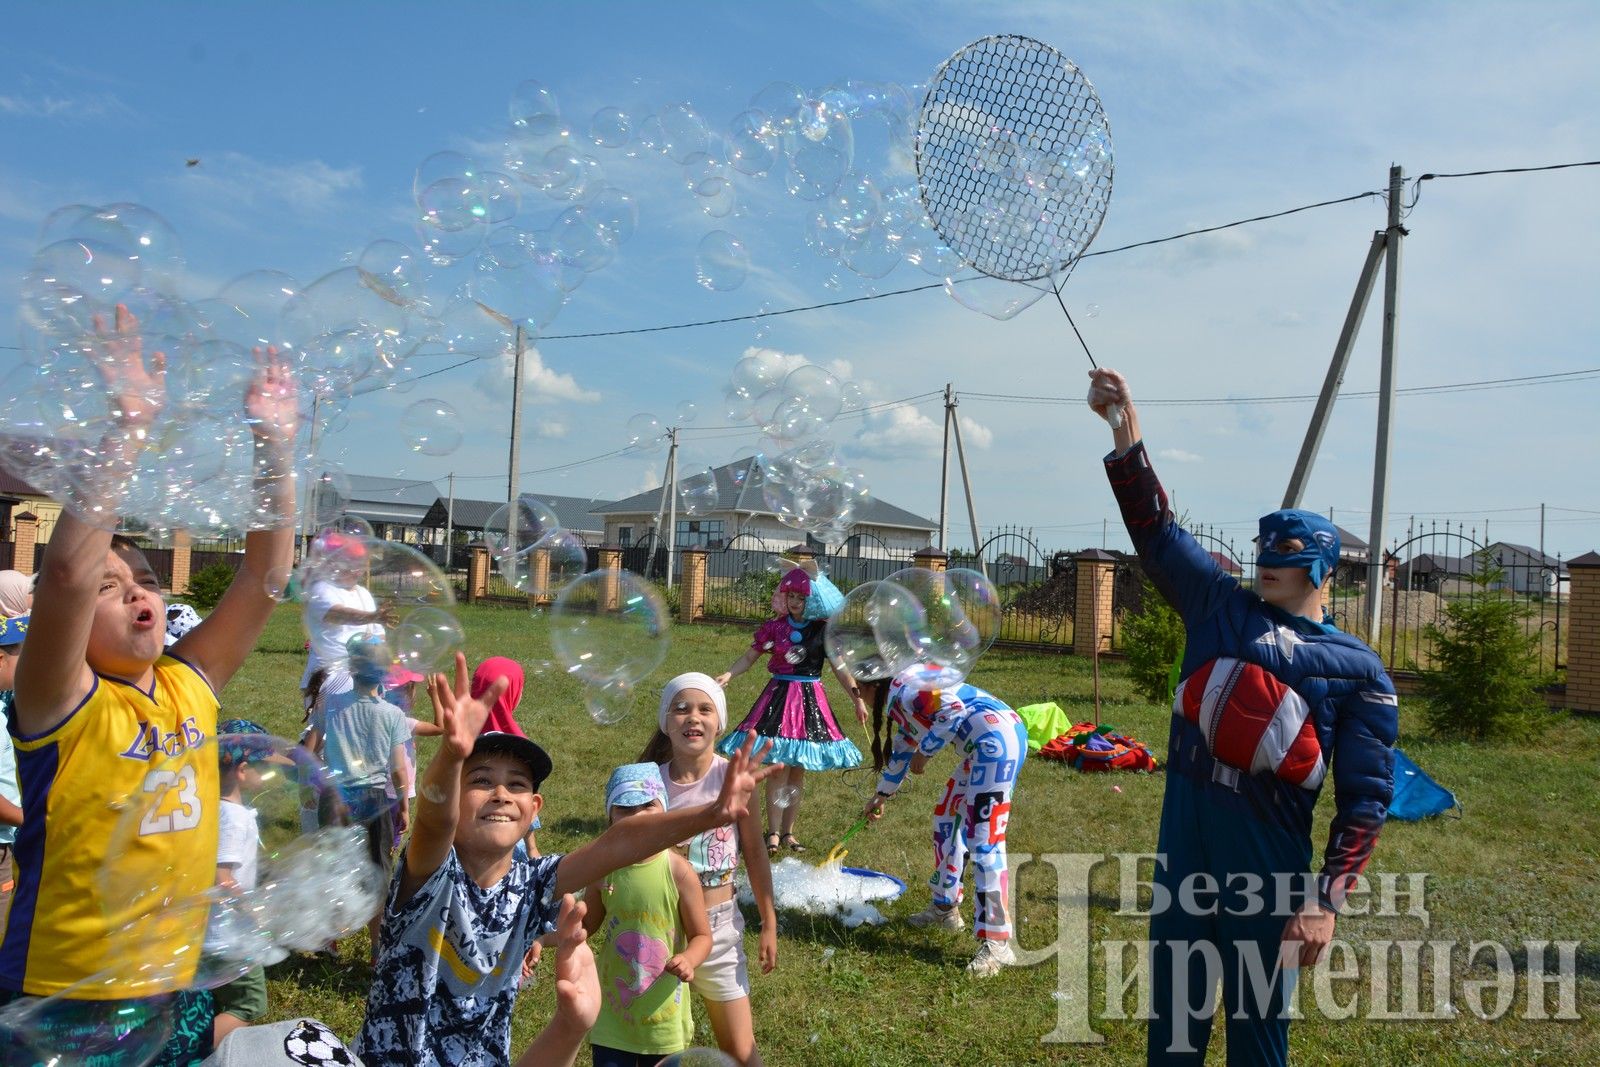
x=313, y=483
x=672, y=490
x=1541, y=534
x=944, y=474
x=966, y=483
x=450, y=527
x=1386, y=387
x=515, y=459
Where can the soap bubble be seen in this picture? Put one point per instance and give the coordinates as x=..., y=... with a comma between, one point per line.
x=442, y=166
x=327, y=498
x=1093, y=311
x=994, y=297
x=851, y=637
x=567, y=558
x=581, y=239
x=171, y=927
x=414, y=597
x=614, y=212
x=757, y=372
x=452, y=204
x=608, y=703
x=431, y=427
x=683, y=132
x=687, y=412
x=70, y=1027
x=645, y=434
x=780, y=101
x=698, y=494
x=533, y=107
x=610, y=127
x=817, y=389
x=979, y=602
x=511, y=532
x=721, y=261
x=752, y=144
x=784, y=796
x=923, y=623
x=609, y=626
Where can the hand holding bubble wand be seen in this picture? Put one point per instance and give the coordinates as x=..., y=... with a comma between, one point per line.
x=1014, y=163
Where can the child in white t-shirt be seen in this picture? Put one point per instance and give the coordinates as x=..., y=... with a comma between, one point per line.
x=242, y=1001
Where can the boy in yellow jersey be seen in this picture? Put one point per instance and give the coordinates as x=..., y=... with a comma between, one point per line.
x=103, y=712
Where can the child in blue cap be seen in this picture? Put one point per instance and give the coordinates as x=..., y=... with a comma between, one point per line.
x=654, y=933
x=1272, y=698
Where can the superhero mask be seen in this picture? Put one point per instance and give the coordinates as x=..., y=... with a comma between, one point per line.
x=1320, y=538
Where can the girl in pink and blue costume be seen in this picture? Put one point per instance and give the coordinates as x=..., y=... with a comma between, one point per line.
x=793, y=709
x=971, y=815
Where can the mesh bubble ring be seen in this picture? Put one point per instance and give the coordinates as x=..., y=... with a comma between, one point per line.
x=1030, y=96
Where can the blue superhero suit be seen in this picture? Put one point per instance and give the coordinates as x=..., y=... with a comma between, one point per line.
x=1268, y=703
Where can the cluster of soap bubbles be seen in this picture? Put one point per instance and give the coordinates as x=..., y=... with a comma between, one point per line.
x=928, y=627
x=842, y=892
x=608, y=628
x=172, y=928
x=415, y=600
x=801, y=480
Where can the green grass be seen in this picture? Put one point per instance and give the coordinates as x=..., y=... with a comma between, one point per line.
x=1521, y=863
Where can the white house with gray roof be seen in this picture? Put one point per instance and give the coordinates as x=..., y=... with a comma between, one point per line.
x=740, y=518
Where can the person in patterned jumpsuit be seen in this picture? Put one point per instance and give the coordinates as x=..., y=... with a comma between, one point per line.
x=971, y=815
x=1272, y=697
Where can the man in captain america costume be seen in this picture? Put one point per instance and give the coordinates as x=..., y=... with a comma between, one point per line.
x=1271, y=698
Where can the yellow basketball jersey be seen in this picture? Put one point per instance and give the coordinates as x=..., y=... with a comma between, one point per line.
x=122, y=750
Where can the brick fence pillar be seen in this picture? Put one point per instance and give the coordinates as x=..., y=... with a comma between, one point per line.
x=1091, y=618
x=692, y=585
x=539, y=577
x=1583, y=634
x=931, y=559
x=611, y=567
x=26, y=527
x=477, y=572
x=181, y=546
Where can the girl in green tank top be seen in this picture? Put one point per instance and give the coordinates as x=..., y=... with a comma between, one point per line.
x=654, y=933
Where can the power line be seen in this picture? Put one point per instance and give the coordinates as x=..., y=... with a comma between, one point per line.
x=1554, y=378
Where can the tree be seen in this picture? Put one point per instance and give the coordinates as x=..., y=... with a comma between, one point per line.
x=1153, y=638
x=1487, y=681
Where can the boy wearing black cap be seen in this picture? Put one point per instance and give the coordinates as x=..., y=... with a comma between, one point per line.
x=464, y=906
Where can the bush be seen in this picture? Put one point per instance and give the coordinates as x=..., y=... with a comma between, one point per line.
x=207, y=585
x=1153, y=638
x=1487, y=683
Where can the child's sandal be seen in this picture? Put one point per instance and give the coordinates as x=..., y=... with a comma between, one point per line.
x=772, y=843
x=792, y=843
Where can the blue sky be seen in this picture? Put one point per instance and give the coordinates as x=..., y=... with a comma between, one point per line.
x=309, y=120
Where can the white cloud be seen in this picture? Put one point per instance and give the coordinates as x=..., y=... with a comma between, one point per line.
x=53, y=106
x=1179, y=455
x=908, y=431
x=240, y=181
x=550, y=429
x=541, y=384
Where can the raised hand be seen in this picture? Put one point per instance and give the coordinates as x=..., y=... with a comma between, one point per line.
x=271, y=402
x=1108, y=392
x=138, y=392
x=461, y=717
x=577, y=981
x=744, y=774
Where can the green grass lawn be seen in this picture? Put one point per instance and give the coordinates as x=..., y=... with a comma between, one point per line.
x=1522, y=863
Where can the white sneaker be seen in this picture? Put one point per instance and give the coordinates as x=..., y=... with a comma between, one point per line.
x=992, y=955
x=938, y=918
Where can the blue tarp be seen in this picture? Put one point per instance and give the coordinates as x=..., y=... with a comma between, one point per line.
x=1416, y=796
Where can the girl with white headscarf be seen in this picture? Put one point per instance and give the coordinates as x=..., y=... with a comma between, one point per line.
x=692, y=713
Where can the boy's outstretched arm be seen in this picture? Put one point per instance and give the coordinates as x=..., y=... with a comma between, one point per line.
x=52, y=676
x=219, y=645
x=433, y=828
x=577, y=994
x=641, y=836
